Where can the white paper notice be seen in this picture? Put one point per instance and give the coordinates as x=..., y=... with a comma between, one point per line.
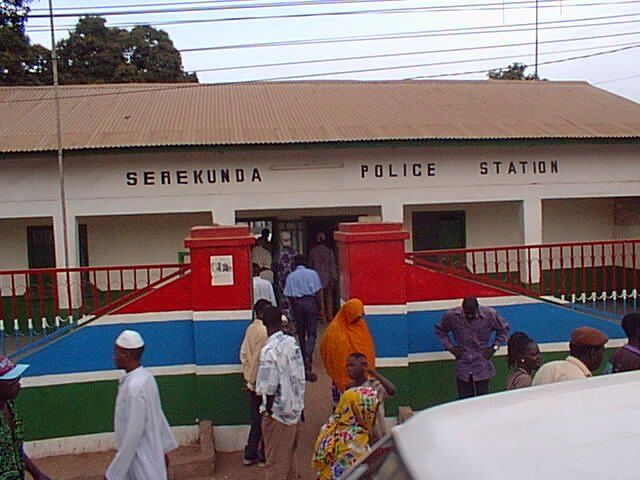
x=221, y=270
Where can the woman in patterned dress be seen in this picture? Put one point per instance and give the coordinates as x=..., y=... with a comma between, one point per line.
x=345, y=437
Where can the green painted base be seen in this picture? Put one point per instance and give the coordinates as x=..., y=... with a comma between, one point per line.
x=87, y=408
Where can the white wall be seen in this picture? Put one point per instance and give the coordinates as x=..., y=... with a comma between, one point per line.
x=13, y=241
x=488, y=224
x=328, y=177
x=139, y=239
x=576, y=220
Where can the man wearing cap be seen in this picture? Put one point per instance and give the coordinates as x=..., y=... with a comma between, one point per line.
x=143, y=436
x=587, y=352
x=13, y=460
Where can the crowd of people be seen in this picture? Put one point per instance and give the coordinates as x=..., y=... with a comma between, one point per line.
x=274, y=368
x=276, y=356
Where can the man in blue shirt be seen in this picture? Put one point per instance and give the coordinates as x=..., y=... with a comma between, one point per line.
x=303, y=289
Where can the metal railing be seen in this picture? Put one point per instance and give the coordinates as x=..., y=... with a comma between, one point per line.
x=37, y=303
x=578, y=271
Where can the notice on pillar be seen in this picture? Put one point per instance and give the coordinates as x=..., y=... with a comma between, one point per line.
x=221, y=270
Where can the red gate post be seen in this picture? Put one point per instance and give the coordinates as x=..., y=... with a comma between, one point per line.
x=373, y=269
x=221, y=303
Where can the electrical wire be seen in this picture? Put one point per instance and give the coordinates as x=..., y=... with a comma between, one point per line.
x=411, y=53
x=475, y=60
x=291, y=77
x=419, y=34
x=498, y=6
x=616, y=80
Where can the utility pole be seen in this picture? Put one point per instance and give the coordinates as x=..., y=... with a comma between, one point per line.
x=536, y=61
x=56, y=99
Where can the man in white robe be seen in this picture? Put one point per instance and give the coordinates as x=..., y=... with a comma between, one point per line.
x=143, y=436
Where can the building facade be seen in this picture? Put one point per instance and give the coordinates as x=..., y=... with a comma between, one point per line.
x=460, y=164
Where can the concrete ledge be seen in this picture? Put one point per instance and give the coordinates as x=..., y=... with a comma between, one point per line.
x=99, y=442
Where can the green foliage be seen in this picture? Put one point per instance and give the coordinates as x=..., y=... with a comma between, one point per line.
x=20, y=62
x=95, y=53
x=515, y=71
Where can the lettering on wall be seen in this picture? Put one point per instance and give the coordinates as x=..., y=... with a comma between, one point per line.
x=402, y=170
x=522, y=167
x=204, y=176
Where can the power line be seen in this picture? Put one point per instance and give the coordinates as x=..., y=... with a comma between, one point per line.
x=486, y=7
x=617, y=80
x=404, y=67
x=291, y=77
x=410, y=53
x=419, y=34
x=141, y=4
x=484, y=59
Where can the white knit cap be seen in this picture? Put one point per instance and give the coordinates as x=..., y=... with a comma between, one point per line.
x=130, y=339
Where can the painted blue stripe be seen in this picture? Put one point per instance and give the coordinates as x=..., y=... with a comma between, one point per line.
x=90, y=349
x=218, y=342
x=389, y=334
x=544, y=322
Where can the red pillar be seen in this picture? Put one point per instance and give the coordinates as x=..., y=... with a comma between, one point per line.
x=220, y=267
x=372, y=262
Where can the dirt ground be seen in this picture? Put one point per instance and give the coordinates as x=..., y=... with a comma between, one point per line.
x=228, y=466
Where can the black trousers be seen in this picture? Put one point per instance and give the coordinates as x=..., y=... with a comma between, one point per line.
x=305, y=314
x=472, y=389
x=255, y=448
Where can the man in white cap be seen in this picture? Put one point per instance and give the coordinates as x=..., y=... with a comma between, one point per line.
x=143, y=436
x=13, y=459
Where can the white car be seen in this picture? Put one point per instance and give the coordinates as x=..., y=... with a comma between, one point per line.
x=581, y=429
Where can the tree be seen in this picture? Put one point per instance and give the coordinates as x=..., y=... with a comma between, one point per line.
x=20, y=62
x=92, y=53
x=515, y=71
x=154, y=56
x=95, y=53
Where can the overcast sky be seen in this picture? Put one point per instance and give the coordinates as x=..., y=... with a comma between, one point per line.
x=567, y=28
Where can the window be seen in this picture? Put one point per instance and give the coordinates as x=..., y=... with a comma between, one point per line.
x=438, y=230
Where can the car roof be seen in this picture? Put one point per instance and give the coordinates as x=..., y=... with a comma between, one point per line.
x=579, y=429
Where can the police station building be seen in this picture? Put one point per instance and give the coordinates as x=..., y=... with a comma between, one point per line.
x=459, y=163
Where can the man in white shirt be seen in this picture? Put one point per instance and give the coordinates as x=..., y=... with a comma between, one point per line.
x=254, y=339
x=587, y=352
x=281, y=382
x=262, y=288
x=143, y=436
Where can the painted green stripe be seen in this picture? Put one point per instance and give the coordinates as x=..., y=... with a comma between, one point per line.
x=433, y=383
x=87, y=408
x=400, y=377
x=222, y=400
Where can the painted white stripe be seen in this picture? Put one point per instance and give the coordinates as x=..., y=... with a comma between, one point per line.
x=222, y=315
x=98, y=442
x=391, y=362
x=385, y=309
x=485, y=301
x=544, y=348
x=230, y=438
x=101, y=375
x=143, y=317
x=218, y=369
x=106, y=375
x=552, y=299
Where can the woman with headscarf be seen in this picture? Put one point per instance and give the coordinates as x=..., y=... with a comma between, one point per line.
x=346, y=334
x=345, y=437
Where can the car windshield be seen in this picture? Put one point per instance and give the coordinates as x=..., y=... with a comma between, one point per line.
x=382, y=463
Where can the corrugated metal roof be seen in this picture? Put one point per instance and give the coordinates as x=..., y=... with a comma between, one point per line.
x=145, y=115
